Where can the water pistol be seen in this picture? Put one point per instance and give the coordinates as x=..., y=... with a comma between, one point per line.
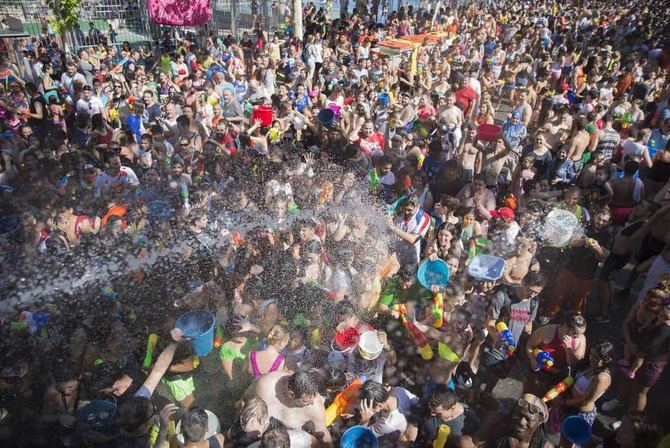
x=558, y=389
x=325, y=192
x=218, y=337
x=418, y=337
x=506, y=338
x=442, y=435
x=343, y=400
x=544, y=360
x=151, y=346
x=374, y=179
x=422, y=158
x=438, y=310
x=395, y=204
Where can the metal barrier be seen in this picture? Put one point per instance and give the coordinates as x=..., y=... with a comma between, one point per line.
x=127, y=20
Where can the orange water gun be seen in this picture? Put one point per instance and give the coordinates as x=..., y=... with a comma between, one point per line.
x=343, y=400
x=438, y=310
x=558, y=389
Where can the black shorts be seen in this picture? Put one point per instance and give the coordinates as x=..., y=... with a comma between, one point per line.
x=494, y=361
x=612, y=263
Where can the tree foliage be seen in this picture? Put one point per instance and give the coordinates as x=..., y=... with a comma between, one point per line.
x=66, y=14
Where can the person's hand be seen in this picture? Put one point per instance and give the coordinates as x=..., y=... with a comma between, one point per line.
x=567, y=340
x=533, y=361
x=177, y=335
x=383, y=338
x=168, y=413
x=433, y=257
x=367, y=410
x=257, y=123
x=309, y=159
x=389, y=222
x=434, y=288
x=243, y=324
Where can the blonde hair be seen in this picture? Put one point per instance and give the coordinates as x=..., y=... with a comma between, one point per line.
x=278, y=335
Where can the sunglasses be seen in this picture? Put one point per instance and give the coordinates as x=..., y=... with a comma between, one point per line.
x=530, y=407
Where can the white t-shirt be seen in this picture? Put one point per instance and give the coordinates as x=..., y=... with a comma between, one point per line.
x=393, y=422
x=91, y=107
x=68, y=81
x=119, y=182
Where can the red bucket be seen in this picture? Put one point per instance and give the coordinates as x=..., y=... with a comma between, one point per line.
x=488, y=132
x=263, y=113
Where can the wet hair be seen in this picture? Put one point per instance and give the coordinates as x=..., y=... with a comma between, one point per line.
x=277, y=334
x=574, y=321
x=646, y=431
x=109, y=155
x=407, y=272
x=442, y=396
x=449, y=201
x=302, y=383
x=276, y=438
x=630, y=167
x=373, y=391
x=254, y=409
x=605, y=351
x=194, y=424
x=534, y=279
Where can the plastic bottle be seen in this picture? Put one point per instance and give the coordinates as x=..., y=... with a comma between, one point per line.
x=506, y=338
x=343, y=400
x=558, y=389
x=442, y=435
x=544, y=360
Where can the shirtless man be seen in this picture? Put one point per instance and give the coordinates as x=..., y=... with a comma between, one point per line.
x=470, y=155
x=494, y=160
x=579, y=143
x=626, y=192
x=557, y=130
x=453, y=340
x=521, y=263
x=523, y=108
x=294, y=400
x=452, y=116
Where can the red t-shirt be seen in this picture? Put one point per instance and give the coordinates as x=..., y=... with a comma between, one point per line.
x=466, y=97
x=371, y=144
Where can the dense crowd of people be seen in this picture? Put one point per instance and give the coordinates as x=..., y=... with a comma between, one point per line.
x=293, y=187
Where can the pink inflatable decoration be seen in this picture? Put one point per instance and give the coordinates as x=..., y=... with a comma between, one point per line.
x=180, y=12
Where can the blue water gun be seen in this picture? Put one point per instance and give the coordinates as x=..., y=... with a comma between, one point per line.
x=544, y=360
x=506, y=338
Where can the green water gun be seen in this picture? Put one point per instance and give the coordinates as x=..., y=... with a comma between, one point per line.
x=374, y=179
x=151, y=346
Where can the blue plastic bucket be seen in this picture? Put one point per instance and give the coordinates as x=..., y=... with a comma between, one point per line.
x=576, y=430
x=198, y=327
x=359, y=437
x=97, y=414
x=486, y=267
x=433, y=273
x=326, y=117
